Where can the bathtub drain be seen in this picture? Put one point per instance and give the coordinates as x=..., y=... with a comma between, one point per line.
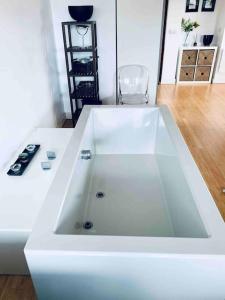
x=100, y=195
x=88, y=225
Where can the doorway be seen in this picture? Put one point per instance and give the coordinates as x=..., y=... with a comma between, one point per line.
x=165, y=14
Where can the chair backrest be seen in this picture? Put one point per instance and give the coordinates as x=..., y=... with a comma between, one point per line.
x=133, y=79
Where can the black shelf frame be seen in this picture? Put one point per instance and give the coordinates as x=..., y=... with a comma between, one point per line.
x=72, y=74
x=79, y=49
x=76, y=100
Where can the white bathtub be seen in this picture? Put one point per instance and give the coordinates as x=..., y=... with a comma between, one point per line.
x=155, y=232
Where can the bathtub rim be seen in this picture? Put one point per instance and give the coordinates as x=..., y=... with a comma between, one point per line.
x=44, y=239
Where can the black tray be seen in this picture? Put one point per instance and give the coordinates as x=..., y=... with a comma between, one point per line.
x=24, y=165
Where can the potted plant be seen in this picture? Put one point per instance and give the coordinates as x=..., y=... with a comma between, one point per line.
x=188, y=26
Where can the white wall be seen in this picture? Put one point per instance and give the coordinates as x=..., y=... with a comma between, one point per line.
x=175, y=37
x=51, y=60
x=104, y=15
x=26, y=95
x=139, y=36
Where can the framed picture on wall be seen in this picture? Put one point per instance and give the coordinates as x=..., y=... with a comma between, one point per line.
x=192, y=5
x=208, y=5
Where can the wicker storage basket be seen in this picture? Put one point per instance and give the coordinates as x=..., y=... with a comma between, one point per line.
x=205, y=57
x=187, y=73
x=189, y=57
x=202, y=73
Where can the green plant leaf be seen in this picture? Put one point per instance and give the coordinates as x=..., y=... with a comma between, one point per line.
x=188, y=25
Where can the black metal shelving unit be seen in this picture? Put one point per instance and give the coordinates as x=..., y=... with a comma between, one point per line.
x=82, y=91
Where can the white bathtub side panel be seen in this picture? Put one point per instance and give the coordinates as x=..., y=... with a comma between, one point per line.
x=74, y=204
x=184, y=214
x=125, y=131
x=127, y=278
x=163, y=143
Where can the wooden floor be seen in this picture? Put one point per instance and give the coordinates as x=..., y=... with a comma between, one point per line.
x=16, y=288
x=68, y=124
x=200, y=115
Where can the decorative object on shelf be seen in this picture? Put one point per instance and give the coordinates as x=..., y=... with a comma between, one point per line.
x=196, y=64
x=85, y=89
x=195, y=42
x=81, y=65
x=81, y=13
x=23, y=160
x=207, y=39
x=208, y=5
x=192, y=5
x=188, y=26
x=82, y=30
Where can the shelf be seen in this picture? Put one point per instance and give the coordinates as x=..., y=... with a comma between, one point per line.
x=71, y=73
x=197, y=48
x=83, y=96
x=75, y=23
x=79, y=49
x=77, y=70
x=201, y=68
x=91, y=102
x=186, y=66
x=77, y=96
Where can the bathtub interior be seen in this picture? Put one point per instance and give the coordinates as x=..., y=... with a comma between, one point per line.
x=133, y=185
